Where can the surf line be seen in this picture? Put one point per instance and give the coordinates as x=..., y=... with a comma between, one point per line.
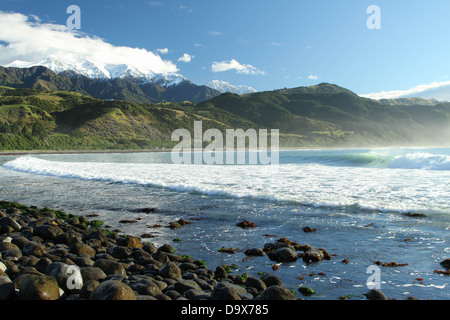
x=214, y=153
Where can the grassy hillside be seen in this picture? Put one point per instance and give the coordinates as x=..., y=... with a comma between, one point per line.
x=330, y=116
x=320, y=116
x=40, y=120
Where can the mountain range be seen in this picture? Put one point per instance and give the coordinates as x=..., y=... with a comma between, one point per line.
x=125, y=81
x=43, y=110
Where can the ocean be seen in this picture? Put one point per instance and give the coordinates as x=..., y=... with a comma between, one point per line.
x=366, y=205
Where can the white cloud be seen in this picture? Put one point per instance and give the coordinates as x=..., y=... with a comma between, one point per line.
x=156, y=3
x=214, y=33
x=27, y=39
x=313, y=77
x=423, y=90
x=186, y=9
x=186, y=58
x=235, y=65
x=163, y=51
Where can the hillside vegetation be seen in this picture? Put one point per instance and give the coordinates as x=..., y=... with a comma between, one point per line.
x=320, y=116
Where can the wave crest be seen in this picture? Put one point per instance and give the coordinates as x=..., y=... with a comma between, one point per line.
x=421, y=160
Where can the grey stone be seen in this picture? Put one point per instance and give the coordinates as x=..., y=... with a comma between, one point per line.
x=270, y=280
x=39, y=287
x=10, y=222
x=375, y=294
x=185, y=285
x=256, y=283
x=33, y=248
x=283, y=255
x=120, y=252
x=87, y=288
x=47, y=232
x=113, y=290
x=313, y=255
x=110, y=267
x=68, y=276
x=146, y=287
x=7, y=289
x=92, y=273
x=277, y=293
x=170, y=270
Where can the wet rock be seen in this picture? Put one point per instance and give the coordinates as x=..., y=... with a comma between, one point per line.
x=7, y=289
x=47, y=232
x=14, y=254
x=256, y=252
x=220, y=273
x=375, y=294
x=132, y=242
x=256, y=283
x=446, y=264
x=39, y=287
x=170, y=270
x=270, y=280
x=227, y=291
x=68, y=237
x=69, y=277
x=167, y=248
x=184, y=285
x=146, y=287
x=110, y=267
x=246, y=224
x=283, y=255
x=5, y=246
x=276, y=292
x=161, y=256
x=80, y=248
x=313, y=255
x=309, y=229
x=113, y=290
x=146, y=210
x=120, y=252
x=10, y=222
x=306, y=291
x=87, y=288
x=97, y=234
x=149, y=248
x=33, y=248
x=194, y=294
x=92, y=273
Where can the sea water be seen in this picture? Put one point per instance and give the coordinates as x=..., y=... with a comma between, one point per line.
x=367, y=205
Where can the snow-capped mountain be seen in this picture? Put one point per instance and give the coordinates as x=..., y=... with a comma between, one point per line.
x=224, y=86
x=101, y=71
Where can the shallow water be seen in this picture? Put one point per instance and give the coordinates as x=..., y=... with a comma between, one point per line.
x=357, y=200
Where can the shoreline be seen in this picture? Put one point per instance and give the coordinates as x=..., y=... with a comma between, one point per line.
x=47, y=254
x=32, y=152
x=34, y=242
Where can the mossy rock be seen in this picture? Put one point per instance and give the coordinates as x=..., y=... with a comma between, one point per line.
x=306, y=291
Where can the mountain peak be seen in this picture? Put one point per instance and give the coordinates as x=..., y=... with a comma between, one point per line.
x=101, y=71
x=224, y=86
x=323, y=87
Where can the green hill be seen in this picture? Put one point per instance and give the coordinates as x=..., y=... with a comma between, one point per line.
x=58, y=120
x=319, y=116
x=330, y=116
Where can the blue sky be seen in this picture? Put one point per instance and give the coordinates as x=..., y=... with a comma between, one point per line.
x=273, y=44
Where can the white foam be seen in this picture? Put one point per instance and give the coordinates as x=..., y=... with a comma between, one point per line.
x=381, y=189
x=421, y=160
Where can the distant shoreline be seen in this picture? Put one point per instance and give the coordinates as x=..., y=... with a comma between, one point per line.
x=31, y=152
